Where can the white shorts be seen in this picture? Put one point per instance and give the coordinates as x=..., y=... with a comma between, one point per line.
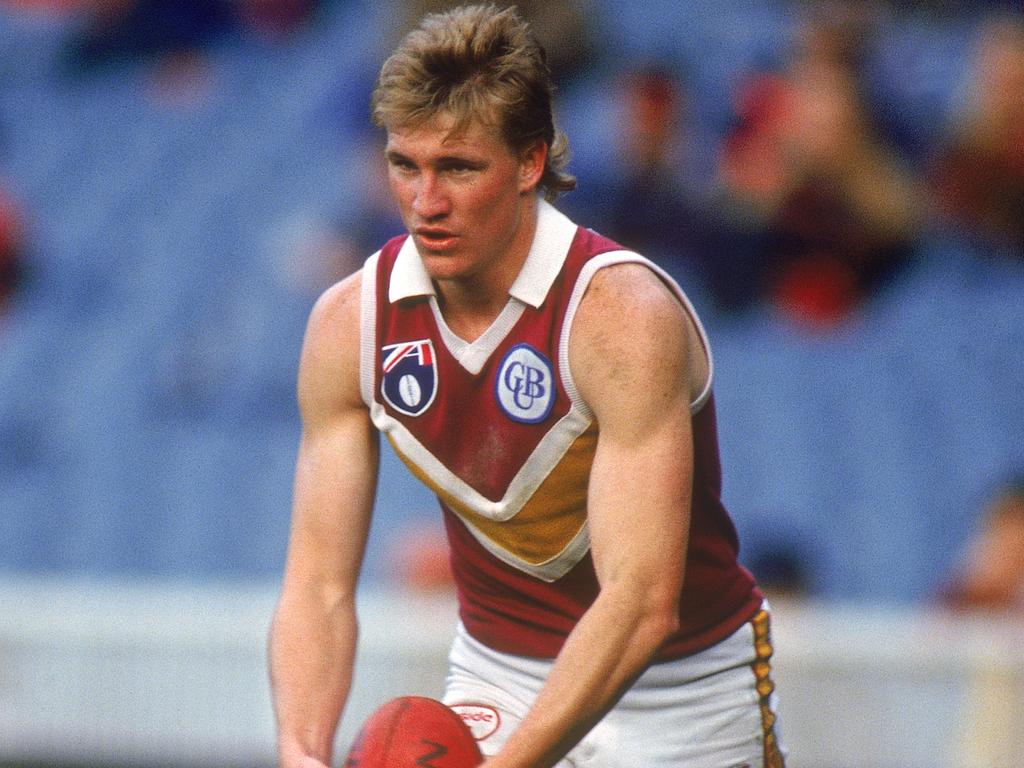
x=715, y=709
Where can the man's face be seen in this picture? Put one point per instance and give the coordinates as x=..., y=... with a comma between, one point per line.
x=462, y=196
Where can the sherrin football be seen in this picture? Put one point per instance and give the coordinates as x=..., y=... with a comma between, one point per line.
x=414, y=732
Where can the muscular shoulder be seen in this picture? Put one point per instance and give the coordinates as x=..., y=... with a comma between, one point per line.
x=329, y=367
x=622, y=294
x=631, y=330
x=338, y=301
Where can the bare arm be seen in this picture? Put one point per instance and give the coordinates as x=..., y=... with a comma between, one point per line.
x=313, y=636
x=631, y=360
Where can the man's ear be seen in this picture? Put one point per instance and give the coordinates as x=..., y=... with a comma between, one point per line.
x=531, y=166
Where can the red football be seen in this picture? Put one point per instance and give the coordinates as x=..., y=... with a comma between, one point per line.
x=414, y=732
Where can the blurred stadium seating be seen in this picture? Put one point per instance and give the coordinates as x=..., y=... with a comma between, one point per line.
x=147, y=418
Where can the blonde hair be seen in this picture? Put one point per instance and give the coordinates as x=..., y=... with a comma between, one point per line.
x=476, y=62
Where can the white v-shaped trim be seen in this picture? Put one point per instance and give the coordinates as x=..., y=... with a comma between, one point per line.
x=535, y=470
x=531, y=475
x=586, y=275
x=472, y=355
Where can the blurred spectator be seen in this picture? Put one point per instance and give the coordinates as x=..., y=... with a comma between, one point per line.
x=781, y=570
x=271, y=16
x=128, y=30
x=12, y=247
x=978, y=176
x=947, y=8
x=273, y=19
x=991, y=575
x=419, y=556
x=48, y=6
x=837, y=212
x=170, y=36
x=646, y=195
x=646, y=205
x=319, y=249
x=173, y=37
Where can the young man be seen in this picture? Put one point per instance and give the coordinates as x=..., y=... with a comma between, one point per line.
x=554, y=390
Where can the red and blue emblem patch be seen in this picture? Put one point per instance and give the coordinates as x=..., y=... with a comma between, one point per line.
x=409, y=381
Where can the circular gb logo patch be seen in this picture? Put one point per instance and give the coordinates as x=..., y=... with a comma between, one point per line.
x=525, y=386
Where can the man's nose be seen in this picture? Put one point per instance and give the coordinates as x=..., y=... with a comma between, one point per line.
x=431, y=199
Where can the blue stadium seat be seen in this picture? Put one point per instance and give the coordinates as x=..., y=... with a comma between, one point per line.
x=147, y=415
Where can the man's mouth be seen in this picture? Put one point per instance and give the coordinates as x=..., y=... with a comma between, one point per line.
x=435, y=239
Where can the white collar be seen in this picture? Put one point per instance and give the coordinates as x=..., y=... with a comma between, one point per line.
x=555, y=233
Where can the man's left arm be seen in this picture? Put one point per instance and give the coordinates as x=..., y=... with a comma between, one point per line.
x=631, y=362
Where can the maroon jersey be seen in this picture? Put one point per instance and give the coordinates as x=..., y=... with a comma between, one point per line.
x=497, y=429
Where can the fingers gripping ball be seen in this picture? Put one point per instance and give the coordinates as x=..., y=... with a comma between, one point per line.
x=414, y=732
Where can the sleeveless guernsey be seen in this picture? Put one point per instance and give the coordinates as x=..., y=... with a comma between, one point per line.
x=496, y=429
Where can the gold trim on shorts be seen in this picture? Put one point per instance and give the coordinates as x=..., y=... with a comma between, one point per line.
x=765, y=687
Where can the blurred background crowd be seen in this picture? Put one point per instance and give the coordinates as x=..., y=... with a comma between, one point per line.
x=839, y=186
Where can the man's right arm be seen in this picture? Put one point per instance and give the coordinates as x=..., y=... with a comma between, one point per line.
x=313, y=636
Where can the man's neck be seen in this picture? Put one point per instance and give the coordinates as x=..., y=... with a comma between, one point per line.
x=471, y=303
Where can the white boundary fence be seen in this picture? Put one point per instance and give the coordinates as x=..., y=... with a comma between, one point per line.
x=156, y=674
